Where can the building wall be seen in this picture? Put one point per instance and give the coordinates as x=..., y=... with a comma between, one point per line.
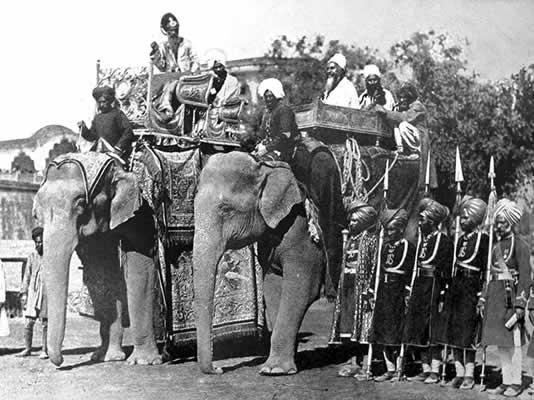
x=16, y=202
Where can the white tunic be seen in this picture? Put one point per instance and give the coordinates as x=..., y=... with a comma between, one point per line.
x=344, y=95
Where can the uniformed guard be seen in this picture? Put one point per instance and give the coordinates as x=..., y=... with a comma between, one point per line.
x=397, y=261
x=352, y=314
x=465, y=290
x=504, y=301
x=433, y=267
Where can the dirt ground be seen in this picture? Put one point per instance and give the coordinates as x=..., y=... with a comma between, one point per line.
x=79, y=378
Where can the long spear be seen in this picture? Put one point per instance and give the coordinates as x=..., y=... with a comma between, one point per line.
x=378, y=265
x=458, y=178
x=427, y=174
x=492, y=201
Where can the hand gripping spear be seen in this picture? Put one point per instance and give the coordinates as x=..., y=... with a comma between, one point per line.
x=458, y=178
x=378, y=266
x=492, y=201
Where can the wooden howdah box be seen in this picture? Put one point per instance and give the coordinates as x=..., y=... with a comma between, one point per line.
x=335, y=124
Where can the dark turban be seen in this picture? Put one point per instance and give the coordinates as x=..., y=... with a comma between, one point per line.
x=166, y=19
x=409, y=91
x=509, y=210
x=37, y=231
x=105, y=91
x=366, y=213
x=396, y=217
x=435, y=211
x=475, y=209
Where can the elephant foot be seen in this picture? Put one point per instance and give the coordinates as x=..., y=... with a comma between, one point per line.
x=111, y=354
x=145, y=356
x=278, y=367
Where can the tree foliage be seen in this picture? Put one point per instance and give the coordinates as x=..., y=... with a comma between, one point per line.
x=483, y=118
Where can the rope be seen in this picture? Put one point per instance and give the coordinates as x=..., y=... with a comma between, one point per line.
x=352, y=161
x=382, y=177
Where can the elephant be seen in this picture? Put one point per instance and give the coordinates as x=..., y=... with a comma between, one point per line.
x=238, y=202
x=241, y=201
x=88, y=203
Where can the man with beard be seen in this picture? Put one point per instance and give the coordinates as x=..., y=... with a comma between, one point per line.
x=423, y=322
x=33, y=296
x=176, y=54
x=225, y=86
x=397, y=260
x=339, y=91
x=278, y=126
x=465, y=290
x=353, y=310
x=505, y=298
x=374, y=93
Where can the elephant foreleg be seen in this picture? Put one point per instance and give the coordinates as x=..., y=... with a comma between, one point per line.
x=140, y=275
x=300, y=287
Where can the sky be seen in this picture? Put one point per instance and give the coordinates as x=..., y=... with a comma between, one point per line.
x=50, y=47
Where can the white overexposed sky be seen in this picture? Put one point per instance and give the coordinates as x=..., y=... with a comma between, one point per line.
x=50, y=47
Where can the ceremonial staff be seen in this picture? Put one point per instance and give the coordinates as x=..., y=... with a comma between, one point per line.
x=427, y=175
x=334, y=333
x=458, y=178
x=378, y=265
x=492, y=201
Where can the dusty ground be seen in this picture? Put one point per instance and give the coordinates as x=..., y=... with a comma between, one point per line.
x=79, y=378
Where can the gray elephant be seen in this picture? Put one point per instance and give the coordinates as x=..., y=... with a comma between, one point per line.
x=239, y=202
x=87, y=203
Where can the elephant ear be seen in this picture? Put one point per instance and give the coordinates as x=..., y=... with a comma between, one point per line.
x=126, y=198
x=280, y=193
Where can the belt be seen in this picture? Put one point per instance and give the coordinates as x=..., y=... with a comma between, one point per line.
x=467, y=266
x=393, y=277
x=427, y=272
x=467, y=273
x=502, y=277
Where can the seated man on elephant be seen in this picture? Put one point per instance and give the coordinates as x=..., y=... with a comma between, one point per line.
x=339, y=91
x=374, y=93
x=110, y=130
x=278, y=127
x=176, y=54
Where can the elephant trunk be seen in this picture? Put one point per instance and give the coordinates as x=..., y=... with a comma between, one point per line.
x=59, y=242
x=207, y=251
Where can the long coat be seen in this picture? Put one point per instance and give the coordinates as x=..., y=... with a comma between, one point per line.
x=424, y=324
x=504, y=295
x=460, y=307
x=33, y=286
x=397, y=262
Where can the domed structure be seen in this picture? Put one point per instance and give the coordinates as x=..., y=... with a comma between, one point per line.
x=37, y=146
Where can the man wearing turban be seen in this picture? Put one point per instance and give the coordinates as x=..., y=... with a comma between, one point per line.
x=225, y=87
x=397, y=258
x=110, y=130
x=278, y=126
x=33, y=296
x=423, y=323
x=353, y=313
x=339, y=91
x=176, y=54
x=503, y=304
x=374, y=92
x=410, y=128
x=465, y=290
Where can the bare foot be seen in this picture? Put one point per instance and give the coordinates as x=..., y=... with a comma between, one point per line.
x=24, y=353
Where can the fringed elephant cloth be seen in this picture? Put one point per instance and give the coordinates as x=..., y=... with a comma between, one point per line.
x=353, y=312
x=168, y=183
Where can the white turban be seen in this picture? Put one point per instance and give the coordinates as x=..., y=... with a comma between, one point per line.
x=274, y=86
x=215, y=55
x=509, y=210
x=371, y=69
x=339, y=59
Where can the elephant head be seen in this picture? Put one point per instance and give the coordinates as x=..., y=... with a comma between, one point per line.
x=237, y=201
x=70, y=207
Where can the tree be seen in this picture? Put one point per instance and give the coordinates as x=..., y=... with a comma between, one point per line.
x=63, y=147
x=23, y=163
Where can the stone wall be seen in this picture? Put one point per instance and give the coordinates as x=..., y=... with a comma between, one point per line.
x=16, y=202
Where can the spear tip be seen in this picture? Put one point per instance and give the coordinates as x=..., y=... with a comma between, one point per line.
x=491, y=173
x=458, y=175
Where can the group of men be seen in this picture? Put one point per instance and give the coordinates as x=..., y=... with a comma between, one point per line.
x=430, y=297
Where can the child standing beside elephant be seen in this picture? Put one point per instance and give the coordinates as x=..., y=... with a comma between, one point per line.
x=33, y=296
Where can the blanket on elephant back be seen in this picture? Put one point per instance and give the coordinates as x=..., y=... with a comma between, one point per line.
x=168, y=183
